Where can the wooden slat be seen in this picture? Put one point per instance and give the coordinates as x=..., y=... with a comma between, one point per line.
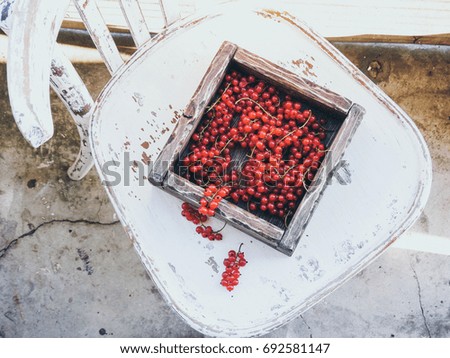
x=136, y=22
x=269, y=71
x=170, y=11
x=309, y=202
x=30, y=49
x=239, y=218
x=192, y=114
x=100, y=34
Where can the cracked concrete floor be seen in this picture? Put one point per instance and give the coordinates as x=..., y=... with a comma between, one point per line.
x=67, y=269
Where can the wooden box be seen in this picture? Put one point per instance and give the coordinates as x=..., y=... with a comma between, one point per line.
x=345, y=117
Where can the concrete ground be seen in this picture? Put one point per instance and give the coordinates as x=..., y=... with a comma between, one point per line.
x=67, y=268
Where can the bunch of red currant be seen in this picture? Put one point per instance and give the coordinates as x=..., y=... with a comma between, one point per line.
x=192, y=215
x=233, y=263
x=199, y=219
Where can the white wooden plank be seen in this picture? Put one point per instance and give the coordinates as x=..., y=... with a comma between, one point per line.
x=397, y=17
x=135, y=20
x=100, y=34
x=330, y=18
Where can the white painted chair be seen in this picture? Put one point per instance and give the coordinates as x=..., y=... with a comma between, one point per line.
x=147, y=93
x=28, y=75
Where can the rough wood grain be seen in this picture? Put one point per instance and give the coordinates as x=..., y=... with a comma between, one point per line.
x=211, y=81
x=304, y=88
x=193, y=113
x=305, y=210
x=227, y=211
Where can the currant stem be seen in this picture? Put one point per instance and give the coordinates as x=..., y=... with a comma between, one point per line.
x=226, y=145
x=249, y=99
x=218, y=99
x=206, y=127
x=251, y=154
x=223, y=227
x=287, y=171
x=287, y=135
x=304, y=175
x=240, y=246
x=286, y=217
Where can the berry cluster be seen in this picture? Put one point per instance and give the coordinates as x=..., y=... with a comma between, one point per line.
x=199, y=219
x=207, y=232
x=283, y=140
x=233, y=263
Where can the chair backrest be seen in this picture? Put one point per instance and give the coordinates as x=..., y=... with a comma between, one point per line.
x=98, y=29
x=33, y=59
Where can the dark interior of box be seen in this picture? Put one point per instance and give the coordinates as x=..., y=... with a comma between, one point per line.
x=334, y=121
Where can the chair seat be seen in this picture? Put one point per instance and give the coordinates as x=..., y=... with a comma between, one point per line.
x=388, y=165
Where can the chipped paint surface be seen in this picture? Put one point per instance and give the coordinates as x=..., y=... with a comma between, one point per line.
x=212, y=262
x=30, y=50
x=305, y=66
x=331, y=253
x=6, y=9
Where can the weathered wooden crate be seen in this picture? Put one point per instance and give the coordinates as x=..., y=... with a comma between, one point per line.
x=344, y=116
